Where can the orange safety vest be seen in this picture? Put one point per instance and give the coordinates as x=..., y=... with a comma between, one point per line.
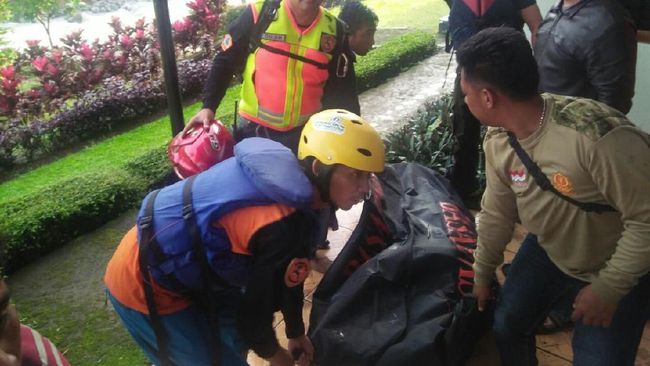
x=281, y=92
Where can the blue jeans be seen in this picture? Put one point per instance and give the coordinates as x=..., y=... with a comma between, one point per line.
x=188, y=335
x=534, y=286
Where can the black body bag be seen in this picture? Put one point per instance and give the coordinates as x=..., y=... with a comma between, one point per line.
x=399, y=293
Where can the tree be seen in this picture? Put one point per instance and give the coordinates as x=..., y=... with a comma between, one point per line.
x=6, y=54
x=42, y=11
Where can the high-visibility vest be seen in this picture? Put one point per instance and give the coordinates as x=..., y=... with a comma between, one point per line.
x=281, y=92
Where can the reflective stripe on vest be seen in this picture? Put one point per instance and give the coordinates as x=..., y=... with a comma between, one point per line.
x=281, y=92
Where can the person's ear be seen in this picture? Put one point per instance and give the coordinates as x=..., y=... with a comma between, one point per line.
x=315, y=167
x=297, y=272
x=488, y=97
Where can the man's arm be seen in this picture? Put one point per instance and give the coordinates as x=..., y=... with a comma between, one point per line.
x=611, y=66
x=620, y=166
x=496, y=223
x=533, y=18
x=230, y=58
x=340, y=90
x=272, y=247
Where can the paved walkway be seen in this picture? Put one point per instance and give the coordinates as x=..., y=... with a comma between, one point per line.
x=389, y=105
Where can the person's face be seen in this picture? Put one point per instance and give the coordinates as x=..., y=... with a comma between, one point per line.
x=348, y=186
x=362, y=40
x=9, y=330
x=475, y=97
x=306, y=6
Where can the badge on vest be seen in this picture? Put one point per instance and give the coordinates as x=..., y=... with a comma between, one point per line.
x=274, y=37
x=562, y=183
x=327, y=42
x=226, y=43
x=518, y=178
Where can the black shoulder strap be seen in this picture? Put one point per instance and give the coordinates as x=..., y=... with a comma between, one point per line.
x=267, y=14
x=204, y=298
x=146, y=239
x=543, y=182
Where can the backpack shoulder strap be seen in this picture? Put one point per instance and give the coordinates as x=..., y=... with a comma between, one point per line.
x=267, y=14
x=146, y=242
x=543, y=182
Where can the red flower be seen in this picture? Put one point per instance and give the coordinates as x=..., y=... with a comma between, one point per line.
x=139, y=34
x=87, y=52
x=32, y=42
x=196, y=5
x=180, y=25
x=126, y=41
x=8, y=72
x=39, y=63
x=57, y=56
x=10, y=85
x=50, y=88
x=52, y=70
x=108, y=54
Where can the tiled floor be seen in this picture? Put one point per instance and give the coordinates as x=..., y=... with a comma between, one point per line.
x=552, y=350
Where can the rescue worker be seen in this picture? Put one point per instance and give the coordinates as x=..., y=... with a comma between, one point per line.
x=362, y=25
x=287, y=56
x=254, y=217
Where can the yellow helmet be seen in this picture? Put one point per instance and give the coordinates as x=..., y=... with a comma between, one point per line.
x=336, y=136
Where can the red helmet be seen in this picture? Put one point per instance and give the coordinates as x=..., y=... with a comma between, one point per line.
x=200, y=148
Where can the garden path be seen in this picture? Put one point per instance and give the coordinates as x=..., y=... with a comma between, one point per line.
x=389, y=105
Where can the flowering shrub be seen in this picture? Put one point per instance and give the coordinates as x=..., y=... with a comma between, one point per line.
x=51, y=97
x=114, y=103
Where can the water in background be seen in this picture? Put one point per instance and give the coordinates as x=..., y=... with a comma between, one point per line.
x=94, y=25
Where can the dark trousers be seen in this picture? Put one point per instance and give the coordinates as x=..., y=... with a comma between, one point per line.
x=246, y=129
x=467, y=130
x=535, y=286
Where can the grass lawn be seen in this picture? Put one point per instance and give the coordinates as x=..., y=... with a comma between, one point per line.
x=422, y=14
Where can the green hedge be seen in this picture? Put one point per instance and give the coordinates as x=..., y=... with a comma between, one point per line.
x=38, y=222
x=392, y=57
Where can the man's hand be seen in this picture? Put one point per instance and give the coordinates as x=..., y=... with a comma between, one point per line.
x=281, y=358
x=205, y=116
x=303, y=349
x=593, y=311
x=482, y=295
